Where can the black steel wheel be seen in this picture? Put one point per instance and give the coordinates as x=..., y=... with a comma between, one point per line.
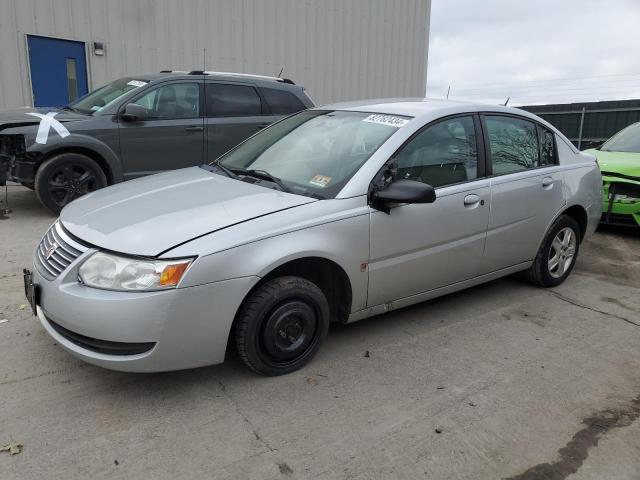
x=281, y=325
x=65, y=177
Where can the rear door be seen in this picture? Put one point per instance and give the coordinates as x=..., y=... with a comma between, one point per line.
x=234, y=112
x=173, y=135
x=526, y=189
x=421, y=247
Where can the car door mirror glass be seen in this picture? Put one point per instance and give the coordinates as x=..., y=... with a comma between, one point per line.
x=133, y=113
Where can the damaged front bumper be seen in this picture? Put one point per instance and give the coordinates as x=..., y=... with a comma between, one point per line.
x=15, y=163
x=621, y=200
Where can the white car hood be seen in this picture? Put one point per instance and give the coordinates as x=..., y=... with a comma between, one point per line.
x=150, y=215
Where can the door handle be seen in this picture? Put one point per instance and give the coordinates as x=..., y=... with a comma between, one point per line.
x=547, y=183
x=194, y=129
x=471, y=200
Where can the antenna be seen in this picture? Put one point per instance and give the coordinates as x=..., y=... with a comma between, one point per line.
x=505, y=103
x=281, y=70
x=448, y=90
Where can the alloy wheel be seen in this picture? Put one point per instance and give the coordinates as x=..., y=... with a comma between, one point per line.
x=562, y=252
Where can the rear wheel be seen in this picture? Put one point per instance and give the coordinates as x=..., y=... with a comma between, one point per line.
x=557, y=254
x=65, y=177
x=281, y=325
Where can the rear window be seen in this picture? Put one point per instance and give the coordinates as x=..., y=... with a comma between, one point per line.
x=225, y=100
x=282, y=102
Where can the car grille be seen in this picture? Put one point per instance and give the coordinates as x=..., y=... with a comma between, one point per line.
x=57, y=251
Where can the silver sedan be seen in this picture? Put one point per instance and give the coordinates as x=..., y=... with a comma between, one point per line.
x=333, y=214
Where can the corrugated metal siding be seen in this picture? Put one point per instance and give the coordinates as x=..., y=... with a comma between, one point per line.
x=601, y=119
x=338, y=49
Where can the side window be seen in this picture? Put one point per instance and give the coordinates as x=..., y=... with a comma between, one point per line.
x=548, y=154
x=513, y=143
x=442, y=154
x=282, y=102
x=225, y=100
x=172, y=101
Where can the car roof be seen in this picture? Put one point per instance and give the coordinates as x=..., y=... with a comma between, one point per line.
x=419, y=107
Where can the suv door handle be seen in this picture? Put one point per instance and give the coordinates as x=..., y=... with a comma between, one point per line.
x=471, y=200
x=194, y=129
x=547, y=183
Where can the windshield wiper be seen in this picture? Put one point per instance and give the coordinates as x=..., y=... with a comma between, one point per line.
x=263, y=175
x=230, y=173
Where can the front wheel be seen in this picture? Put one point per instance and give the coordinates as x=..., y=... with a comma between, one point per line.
x=557, y=254
x=65, y=177
x=281, y=325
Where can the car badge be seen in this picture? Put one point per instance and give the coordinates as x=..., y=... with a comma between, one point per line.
x=51, y=250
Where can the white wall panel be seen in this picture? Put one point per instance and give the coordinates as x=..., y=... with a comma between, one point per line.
x=338, y=49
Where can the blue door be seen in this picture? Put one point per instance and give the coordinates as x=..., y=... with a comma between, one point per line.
x=58, y=70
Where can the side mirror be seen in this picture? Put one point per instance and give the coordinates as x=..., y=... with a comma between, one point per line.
x=404, y=191
x=133, y=113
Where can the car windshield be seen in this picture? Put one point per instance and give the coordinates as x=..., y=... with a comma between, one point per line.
x=100, y=98
x=314, y=152
x=627, y=140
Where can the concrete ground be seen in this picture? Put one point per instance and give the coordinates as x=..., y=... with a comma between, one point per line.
x=500, y=381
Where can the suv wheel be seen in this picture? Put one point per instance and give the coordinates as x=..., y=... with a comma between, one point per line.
x=281, y=325
x=557, y=254
x=65, y=177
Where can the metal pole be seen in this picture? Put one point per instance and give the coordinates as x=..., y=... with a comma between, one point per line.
x=581, y=125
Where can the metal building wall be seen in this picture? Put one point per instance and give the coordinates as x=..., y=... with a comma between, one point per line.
x=338, y=49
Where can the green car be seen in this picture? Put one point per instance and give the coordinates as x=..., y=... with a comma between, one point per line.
x=619, y=160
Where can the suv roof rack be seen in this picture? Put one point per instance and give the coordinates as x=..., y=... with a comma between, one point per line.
x=173, y=71
x=249, y=75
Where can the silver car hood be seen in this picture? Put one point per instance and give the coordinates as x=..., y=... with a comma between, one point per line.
x=150, y=215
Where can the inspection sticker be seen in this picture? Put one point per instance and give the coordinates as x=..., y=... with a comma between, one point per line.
x=388, y=120
x=320, y=181
x=136, y=83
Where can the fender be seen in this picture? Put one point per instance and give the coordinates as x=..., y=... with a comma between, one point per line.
x=76, y=142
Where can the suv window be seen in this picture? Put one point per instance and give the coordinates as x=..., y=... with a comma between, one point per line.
x=547, y=147
x=513, y=143
x=225, y=100
x=172, y=101
x=441, y=154
x=281, y=102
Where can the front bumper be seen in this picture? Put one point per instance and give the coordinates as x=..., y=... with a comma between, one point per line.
x=171, y=329
x=621, y=203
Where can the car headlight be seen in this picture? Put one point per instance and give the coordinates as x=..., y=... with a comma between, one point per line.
x=112, y=272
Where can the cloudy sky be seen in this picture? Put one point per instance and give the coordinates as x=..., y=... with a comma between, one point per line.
x=538, y=51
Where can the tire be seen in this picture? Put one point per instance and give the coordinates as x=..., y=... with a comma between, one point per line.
x=544, y=272
x=281, y=325
x=65, y=177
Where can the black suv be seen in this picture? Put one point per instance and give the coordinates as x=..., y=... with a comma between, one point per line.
x=137, y=126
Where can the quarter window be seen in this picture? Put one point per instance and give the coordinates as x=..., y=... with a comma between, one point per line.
x=225, y=100
x=513, y=143
x=547, y=147
x=281, y=102
x=172, y=101
x=442, y=154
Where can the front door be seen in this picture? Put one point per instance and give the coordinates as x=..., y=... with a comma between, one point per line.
x=58, y=70
x=417, y=248
x=172, y=136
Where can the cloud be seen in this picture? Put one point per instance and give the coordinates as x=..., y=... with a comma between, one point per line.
x=539, y=51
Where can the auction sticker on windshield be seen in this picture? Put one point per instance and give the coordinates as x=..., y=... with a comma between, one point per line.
x=136, y=83
x=389, y=120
